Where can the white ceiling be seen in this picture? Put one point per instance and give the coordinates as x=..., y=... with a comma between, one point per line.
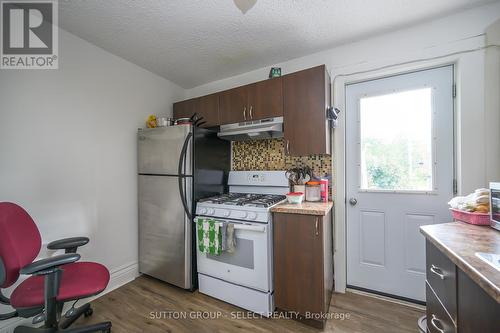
x=192, y=42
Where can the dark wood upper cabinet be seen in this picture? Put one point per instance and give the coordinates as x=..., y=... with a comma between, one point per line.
x=265, y=99
x=205, y=106
x=233, y=105
x=185, y=109
x=208, y=108
x=259, y=100
x=306, y=97
x=301, y=98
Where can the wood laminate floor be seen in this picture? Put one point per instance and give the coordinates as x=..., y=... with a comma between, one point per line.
x=148, y=305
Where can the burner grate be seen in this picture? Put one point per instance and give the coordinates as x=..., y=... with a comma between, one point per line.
x=245, y=199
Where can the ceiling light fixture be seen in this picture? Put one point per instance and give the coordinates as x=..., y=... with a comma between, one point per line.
x=244, y=5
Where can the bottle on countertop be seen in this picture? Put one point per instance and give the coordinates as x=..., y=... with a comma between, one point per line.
x=324, y=189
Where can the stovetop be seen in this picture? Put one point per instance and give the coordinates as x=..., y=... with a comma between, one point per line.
x=245, y=200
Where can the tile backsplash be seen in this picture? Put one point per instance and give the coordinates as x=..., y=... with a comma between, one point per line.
x=270, y=155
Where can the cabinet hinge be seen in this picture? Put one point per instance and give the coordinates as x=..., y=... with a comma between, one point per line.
x=454, y=91
x=455, y=187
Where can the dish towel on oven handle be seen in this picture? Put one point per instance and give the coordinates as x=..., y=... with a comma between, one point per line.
x=209, y=236
x=230, y=241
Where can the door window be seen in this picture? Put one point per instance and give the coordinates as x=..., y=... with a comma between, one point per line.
x=396, y=141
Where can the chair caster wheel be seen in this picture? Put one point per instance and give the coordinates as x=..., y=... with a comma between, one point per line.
x=88, y=313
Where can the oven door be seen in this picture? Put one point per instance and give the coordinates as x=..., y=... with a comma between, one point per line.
x=249, y=265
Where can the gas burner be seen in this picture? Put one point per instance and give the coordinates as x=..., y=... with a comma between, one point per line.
x=245, y=199
x=223, y=198
x=266, y=200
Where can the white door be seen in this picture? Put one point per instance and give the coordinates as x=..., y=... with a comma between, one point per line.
x=399, y=162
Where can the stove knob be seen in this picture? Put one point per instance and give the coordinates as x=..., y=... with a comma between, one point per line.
x=244, y=214
x=203, y=211
x=226, y=213
x=211, y=211
x=251, y=216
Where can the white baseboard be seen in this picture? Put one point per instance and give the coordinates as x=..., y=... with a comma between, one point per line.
x=119, y=277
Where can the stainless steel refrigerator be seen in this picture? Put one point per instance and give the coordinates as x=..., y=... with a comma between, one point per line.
x=178, y=165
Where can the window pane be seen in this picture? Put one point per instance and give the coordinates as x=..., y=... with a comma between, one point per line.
x=396, y=141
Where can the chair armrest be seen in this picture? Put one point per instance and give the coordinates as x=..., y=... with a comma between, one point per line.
x=69, y=244
x=49, y=265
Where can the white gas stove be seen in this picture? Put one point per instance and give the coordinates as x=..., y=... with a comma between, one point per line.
x=244, y=277
x=250, y=198
x=240, y=206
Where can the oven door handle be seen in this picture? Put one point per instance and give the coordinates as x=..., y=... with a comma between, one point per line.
x=249, y=227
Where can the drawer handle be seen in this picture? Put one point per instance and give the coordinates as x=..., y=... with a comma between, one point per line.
x=436, y=270
x=317, y=226
x=435, y=320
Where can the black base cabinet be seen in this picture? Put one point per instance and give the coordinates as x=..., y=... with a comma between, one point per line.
x=477, y=311
x=455, y=303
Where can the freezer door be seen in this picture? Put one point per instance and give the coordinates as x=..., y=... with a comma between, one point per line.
x=159, y=150
x=212, y=163
x=164, y=230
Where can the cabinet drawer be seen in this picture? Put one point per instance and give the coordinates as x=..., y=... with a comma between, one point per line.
x=438, y=320
x=442, y=277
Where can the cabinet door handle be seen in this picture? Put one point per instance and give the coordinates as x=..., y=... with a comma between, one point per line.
x=436, y=270
x=288, y=147
x=317, y=226
x=245, y=113
x=251, y=107
x=435, y=320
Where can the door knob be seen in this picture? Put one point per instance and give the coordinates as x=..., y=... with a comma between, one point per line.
x=353, y=201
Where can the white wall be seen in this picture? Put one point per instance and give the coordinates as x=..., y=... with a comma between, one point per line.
x=458, y=39
x=492, y=101
x=68, y=146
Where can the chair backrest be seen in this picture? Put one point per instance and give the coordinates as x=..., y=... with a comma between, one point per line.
x=20, y=242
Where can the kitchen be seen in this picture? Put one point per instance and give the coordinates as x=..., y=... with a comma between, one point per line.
x=307, y=193
x=260, y=114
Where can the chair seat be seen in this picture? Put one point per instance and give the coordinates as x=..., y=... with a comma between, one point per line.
x=79, y=280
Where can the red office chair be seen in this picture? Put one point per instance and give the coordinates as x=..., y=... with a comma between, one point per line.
x=53, y=281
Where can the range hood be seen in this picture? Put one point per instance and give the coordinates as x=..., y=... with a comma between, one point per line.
x=252, y=130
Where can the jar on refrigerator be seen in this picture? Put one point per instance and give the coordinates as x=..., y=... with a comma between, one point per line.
x=313, y=191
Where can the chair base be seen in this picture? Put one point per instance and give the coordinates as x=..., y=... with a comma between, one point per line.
x=78, y=312
x=65, y=322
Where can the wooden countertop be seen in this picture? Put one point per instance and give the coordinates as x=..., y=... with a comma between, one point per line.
x=460, y=241
x=306, y=208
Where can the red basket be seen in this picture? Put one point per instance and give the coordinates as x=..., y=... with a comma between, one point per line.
x=471, y=218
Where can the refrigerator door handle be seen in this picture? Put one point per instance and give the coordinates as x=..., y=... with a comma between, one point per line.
x=181, y=177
